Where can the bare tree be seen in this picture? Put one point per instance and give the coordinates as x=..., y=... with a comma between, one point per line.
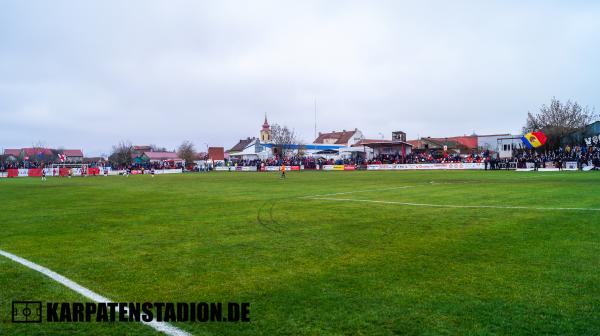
x=284, y=140
x=121, y=154
x=559, y=119
x=301, y=152
x=186, y=152
x=40, y=153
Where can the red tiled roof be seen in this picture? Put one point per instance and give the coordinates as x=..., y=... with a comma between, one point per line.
x=341, y=138
x=37, y=151
x=142, y=147
x=13, y=152
x=468, y=141
x=162, y=155
x=241, y=145
x=216, y=153
x=415, y=143
x=73, y=152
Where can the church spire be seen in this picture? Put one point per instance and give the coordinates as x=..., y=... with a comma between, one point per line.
x=266, y=125
x=265, y=132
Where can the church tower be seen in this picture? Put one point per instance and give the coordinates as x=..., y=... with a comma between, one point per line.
x=265, y=132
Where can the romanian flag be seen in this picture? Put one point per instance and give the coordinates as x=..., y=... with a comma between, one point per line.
x=534, y=139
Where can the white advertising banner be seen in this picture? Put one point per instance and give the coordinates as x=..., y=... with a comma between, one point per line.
x=23, y=172
x=427, y=166
x=278, y=168
x=238, y=168
x=166, y=171
x=571, y=165
x=51, y=171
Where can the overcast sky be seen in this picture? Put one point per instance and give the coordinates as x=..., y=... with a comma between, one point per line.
x=86, y=74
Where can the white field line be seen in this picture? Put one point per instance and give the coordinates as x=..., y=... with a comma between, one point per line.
x=384, y=189
x=356, y=191
x=163, y=327
x=454, y=206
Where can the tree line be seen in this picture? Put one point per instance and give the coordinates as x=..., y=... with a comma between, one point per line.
x=559, y=119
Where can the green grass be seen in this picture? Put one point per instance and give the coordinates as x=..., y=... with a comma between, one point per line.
x=309, y=266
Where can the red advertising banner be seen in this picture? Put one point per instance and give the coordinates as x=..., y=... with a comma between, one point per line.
x=349, y=167
x=34, y=172
x=13, y=172
x=93, y=171
x=63, y=171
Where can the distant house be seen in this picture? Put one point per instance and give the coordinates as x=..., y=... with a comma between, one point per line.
x=344, y=138
x=457, y=144
x=140, y=149
x=73, y=155
x=248, y=149
x=241, y=145
x=158, y=157
x=32, y=152
x=373, y=148
x=37, y=154
x=12, y=154
x=43, y=154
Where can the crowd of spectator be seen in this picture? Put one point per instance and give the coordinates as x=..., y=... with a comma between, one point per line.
x=557, y=158
x=307, y=162
x=584, y=156
x=149, y=165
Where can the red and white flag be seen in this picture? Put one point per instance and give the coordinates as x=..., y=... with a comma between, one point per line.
x=62, y=157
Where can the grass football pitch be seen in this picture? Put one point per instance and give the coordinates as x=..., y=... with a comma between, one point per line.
x=319, y=253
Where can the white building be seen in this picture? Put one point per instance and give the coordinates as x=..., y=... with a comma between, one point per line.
x=490, y=141
x=506, y=145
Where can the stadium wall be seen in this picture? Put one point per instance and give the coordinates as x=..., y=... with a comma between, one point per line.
x=37, y=172
x=427, y=166
x=240, y=168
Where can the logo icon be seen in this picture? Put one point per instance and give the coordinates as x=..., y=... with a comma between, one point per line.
x=27, y=311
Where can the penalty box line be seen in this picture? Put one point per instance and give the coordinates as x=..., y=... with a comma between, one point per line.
x=163, y=327
x=454, y=206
